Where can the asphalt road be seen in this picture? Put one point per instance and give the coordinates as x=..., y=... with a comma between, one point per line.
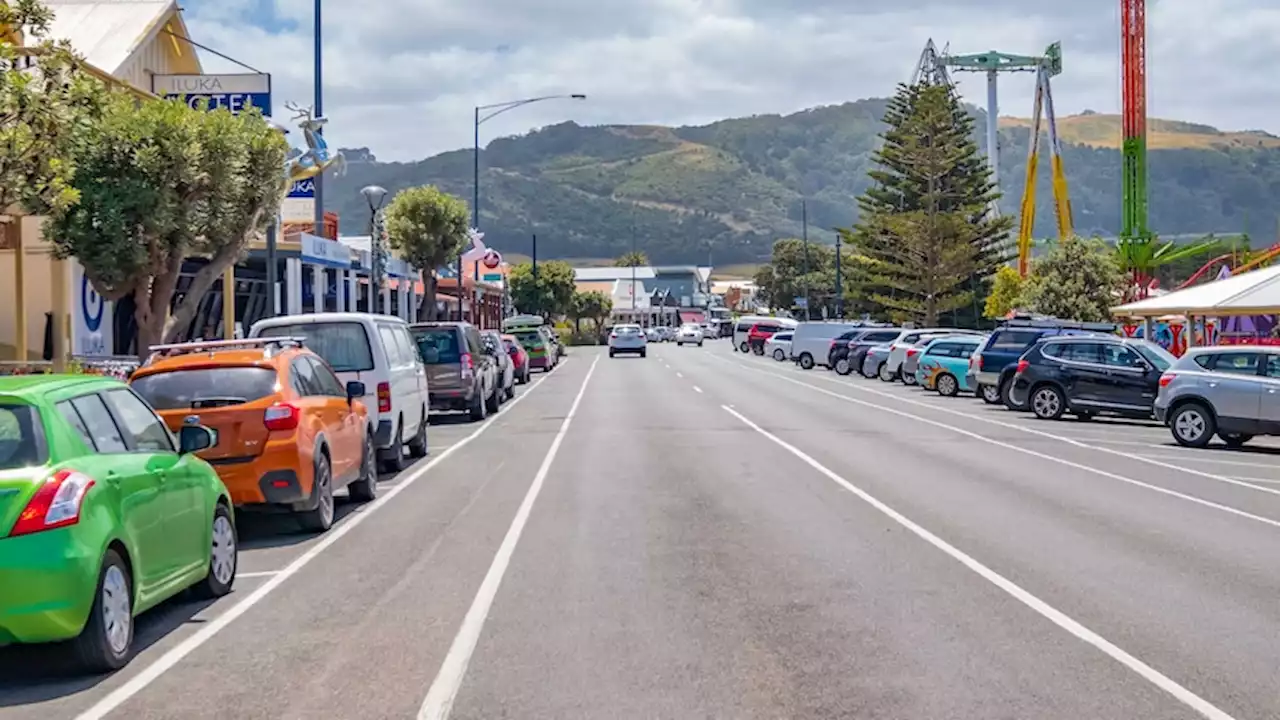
x=703, y=534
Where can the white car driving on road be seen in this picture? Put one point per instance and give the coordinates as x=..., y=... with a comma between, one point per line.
x=689, y=333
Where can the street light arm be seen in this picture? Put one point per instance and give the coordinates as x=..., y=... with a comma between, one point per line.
x=499, y=108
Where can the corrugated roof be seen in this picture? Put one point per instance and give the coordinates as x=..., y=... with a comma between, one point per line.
x=106, y=32
x=1252, y=293
x=604, y=286
x=599, y=274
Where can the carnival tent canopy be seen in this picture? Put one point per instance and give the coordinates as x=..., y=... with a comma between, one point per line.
x=1253, y=293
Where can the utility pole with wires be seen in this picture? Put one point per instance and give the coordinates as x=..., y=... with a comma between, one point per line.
x=804, y=233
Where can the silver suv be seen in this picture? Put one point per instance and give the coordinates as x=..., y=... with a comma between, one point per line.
x=1231, y=391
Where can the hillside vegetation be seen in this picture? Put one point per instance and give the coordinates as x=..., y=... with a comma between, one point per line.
x=724, y=192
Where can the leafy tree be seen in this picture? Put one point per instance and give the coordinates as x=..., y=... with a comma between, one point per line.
x=1076, y=280
x=630, y=259
x=428, y=228
x=591, y=305
x=784, y=277
x=45, y=102
x=1006, y=293
x=159, y=183
x=925, y=230
x=550, y=294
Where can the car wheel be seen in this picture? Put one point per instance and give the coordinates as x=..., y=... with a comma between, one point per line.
x=947, y=385
x=1006, y=395
x=494, y=402
x=392, y=459
x=699, y=343
x=1192, y=425
x=884, y=373
x=224, y=555
x=806, y=361
x=365, y=488
x=644, y=353
x=106, y=642
x=418, y=445
x=511, y=390
x=908, y=379
x=842, y=366
x=320, y=518
x=1084, y=416
x=1235, y=440
x=990, y=394
x=612, y=353
x=745, y=348
x=479, y=408
x=1047, y=402
x=779, y=355
x=679, y=344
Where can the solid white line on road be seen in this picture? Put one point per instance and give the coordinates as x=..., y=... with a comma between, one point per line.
x=679, y=374
x=1057, y=617
x=697, y=389
x=269, y=573
x=444, y=689
x=1040, y=433
x=1044, y=456
x=167, y=661
x=1192, y=456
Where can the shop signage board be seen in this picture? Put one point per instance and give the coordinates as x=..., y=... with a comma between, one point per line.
x=322, y=251
x=236, y=92
x=92, y=317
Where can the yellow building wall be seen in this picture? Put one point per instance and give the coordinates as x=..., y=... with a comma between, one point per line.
x=38, y=270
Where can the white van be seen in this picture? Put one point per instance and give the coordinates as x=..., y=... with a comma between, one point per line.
x=378, y=351
x=811, y=345
x=742, y=326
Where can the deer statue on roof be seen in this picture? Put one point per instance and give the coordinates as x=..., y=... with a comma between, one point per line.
x=315, y=159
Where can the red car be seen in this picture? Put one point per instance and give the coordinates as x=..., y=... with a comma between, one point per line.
x=757, y=335
x=519, y=358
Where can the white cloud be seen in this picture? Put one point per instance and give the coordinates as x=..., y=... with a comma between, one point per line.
x=402, y=76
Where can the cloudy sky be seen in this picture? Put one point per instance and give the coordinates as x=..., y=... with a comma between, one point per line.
x=402, y=76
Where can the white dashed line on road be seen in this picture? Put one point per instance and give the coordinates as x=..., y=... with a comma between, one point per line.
x=697, y=389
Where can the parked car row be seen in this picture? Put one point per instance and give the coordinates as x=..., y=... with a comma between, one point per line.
x=115, y=497
x=1052, y=369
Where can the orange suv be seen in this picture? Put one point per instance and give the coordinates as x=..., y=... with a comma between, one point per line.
x=288, y=433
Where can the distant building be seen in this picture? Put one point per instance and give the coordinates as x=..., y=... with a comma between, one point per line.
x=652, y=295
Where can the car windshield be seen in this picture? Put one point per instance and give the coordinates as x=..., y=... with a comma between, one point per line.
x=206, y=387
x=1159, y=357
x=531, y=339
x=438, y=346
x=344, y=345
x=20, y=437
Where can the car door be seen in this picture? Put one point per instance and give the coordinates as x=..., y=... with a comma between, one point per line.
x=421, y=384
x=342, y=425
x=403, y=379
x=1129, y=382
x=483, y=361
x=1080, y=371
x=1233, y=387
x=317, y=416
x=1269, y=395
x=186, y=522
x=137, y=490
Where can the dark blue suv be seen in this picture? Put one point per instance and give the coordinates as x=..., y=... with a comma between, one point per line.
x=991, y=368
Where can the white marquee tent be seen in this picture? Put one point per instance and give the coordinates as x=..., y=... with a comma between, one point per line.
x=1253, y=293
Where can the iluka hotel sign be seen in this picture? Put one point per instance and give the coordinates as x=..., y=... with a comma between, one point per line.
x=235, y=92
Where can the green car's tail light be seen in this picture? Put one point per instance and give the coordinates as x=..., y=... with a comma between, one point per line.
x=56, y=504
x=281, y=417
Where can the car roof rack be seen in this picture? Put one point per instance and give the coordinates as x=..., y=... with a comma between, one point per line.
x=271, y=345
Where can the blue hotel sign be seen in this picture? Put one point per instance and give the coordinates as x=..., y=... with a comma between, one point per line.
x=303, y=189
x=236, y=92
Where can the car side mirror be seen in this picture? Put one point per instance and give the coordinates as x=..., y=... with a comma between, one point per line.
x=355, y=390
x=194, y=438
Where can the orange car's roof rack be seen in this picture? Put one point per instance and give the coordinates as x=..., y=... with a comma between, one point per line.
x=271, y=344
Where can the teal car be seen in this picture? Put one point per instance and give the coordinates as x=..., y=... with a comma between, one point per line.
x=944, y=363
x=104, y=514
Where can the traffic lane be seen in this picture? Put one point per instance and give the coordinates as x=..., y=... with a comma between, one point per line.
x=967, y=415
x=1186, y=588
x=45, y=689
x=361, y=629
x=678, y=565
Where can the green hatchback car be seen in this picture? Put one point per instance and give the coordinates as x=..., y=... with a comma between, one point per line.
x=103, y=515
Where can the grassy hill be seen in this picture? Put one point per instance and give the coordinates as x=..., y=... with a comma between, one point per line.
x=724, y=192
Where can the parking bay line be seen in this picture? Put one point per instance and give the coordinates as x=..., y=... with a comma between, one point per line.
x=1051, y=458
x=167, y=661
x=1050, y=613
x=1060, y=438
x=444, y=689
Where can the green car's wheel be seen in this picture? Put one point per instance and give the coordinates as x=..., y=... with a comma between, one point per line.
x=106, y=642
x=224, y=555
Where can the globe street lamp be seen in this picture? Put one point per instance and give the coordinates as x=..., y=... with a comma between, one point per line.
x=375, y=195
x=484, y=113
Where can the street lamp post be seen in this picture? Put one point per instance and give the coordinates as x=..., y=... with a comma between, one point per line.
x=375, y=195
x=484, y=113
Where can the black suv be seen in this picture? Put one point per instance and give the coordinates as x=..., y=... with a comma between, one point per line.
x=1085, y=376
x=848, y=350
x=991, y=367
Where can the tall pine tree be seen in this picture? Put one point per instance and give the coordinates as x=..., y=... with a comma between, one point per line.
x=928, y=243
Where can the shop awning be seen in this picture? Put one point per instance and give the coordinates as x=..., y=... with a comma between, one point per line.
x=696, y=318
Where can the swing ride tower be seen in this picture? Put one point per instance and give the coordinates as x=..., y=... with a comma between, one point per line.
x=1133, y=44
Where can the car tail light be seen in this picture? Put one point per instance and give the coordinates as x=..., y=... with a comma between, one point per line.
x=384, y=397
x=468, y=367
x=1022, y=365
x=911, y=352
x=56, y=504
x=281, y=416
x=1166, y=378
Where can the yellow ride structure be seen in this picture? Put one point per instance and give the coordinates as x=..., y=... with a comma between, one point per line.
x=1042, y=111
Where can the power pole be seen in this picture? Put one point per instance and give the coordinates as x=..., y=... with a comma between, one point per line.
x=804, y=231
x=839, y=283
